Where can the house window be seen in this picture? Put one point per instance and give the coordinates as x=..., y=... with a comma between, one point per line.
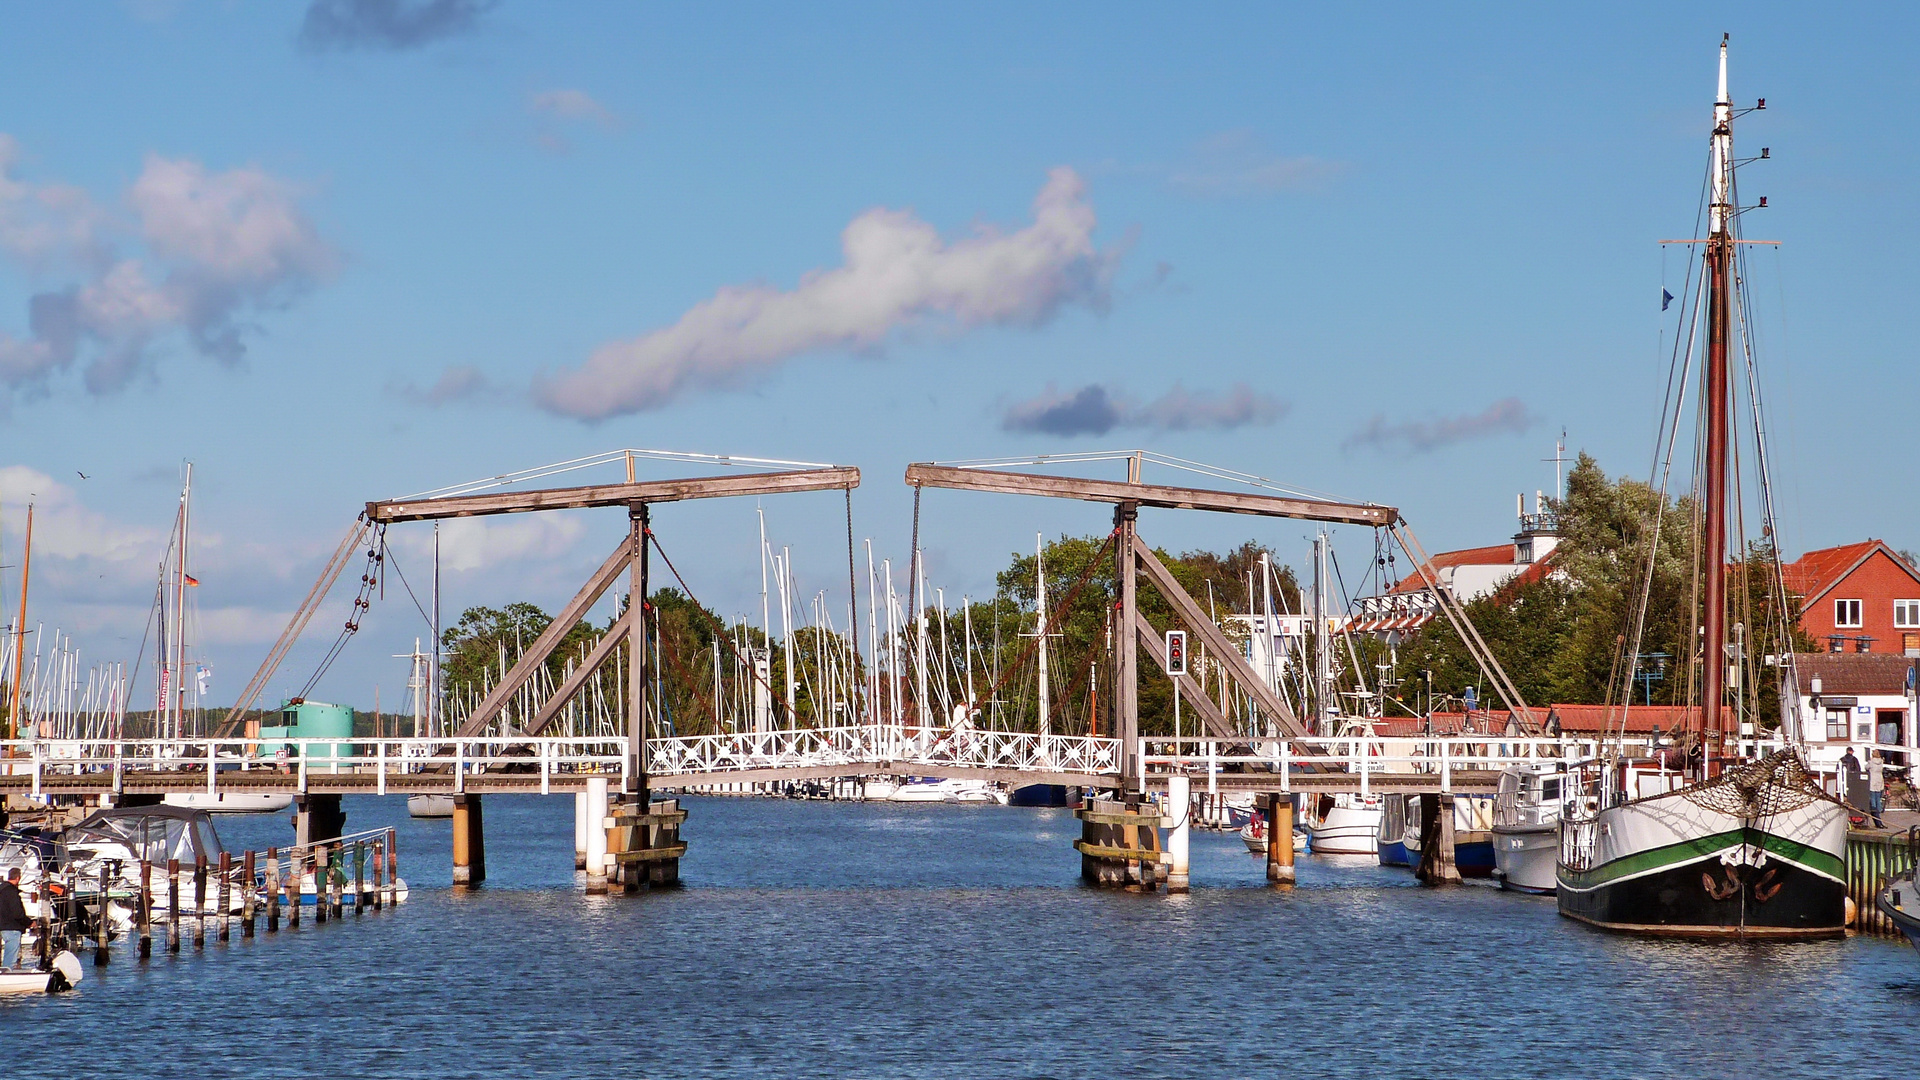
x=1906, y=614
x=1837, y=724
x=1846, y=613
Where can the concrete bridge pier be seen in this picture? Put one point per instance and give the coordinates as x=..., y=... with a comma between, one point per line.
x=316, y=818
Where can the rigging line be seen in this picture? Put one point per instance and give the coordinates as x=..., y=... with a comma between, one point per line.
x=368, y=581
x=718, y=626
x=409, y=588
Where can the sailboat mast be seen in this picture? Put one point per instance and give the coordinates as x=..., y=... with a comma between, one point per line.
x=177, y=692
x=1714, y=399
x=1040, y=612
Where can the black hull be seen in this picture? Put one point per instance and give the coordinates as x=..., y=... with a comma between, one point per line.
x=1709, y=899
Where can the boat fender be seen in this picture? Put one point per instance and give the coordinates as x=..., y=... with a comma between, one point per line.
x=66, y=973
x=1853, y=911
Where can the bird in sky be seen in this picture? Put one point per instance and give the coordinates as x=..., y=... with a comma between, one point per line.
x=83, y=476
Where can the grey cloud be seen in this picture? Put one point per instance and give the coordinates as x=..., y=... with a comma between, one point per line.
x=460, y=382
x=1095, y=410
x=209, y=251
x=387, y=24
x=1506, y=416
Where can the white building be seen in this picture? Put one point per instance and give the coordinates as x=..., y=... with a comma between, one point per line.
x=1858, y=700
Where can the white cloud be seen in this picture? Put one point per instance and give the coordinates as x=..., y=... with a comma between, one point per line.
x=897, y=273
x=1235, y=164
x=479, y=543
x=65, y=528
x=200, y=253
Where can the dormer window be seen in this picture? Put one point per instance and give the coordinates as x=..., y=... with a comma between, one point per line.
x=1846, y=613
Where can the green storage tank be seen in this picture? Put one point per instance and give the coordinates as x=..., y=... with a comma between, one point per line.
x=311, y=720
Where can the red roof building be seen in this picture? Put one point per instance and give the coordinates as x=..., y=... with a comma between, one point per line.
x=1858, y=598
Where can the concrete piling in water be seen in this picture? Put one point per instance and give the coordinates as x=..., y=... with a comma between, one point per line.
x=469, y=841
x=596, y=799
x=1180, y=810
x=581, y=820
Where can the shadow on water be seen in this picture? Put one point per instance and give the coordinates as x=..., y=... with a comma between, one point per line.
x=832, y=939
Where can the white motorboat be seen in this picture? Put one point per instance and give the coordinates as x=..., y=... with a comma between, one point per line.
x=430, y=806
x=230, y=802
x=930, y=789
x=65, y=974
x=1345, y=824
x=1526, y=826
x=1254, y=835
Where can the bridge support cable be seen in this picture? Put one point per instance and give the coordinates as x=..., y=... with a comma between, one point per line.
x=329, y=574
x=1463, y=626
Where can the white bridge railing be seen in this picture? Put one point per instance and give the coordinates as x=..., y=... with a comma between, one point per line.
x=964, y=747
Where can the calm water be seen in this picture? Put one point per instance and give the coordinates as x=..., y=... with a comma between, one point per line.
x=844, y=940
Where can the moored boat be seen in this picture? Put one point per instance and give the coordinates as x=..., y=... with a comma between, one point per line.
x=1900, y=901
x=1526, y=826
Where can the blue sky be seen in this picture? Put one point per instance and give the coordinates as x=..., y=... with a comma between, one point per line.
x=1387, y=256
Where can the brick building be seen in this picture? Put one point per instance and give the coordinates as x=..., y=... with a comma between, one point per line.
x=1858, y=598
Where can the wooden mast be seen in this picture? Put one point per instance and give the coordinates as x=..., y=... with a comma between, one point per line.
x=1714, y=400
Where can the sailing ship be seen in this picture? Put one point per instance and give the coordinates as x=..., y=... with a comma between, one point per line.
x=1728, y=848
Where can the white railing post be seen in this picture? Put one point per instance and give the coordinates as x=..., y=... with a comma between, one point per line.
x=459, y=766
x=546, y=766
x=380, y=766
x=302, y=748
x=36, y=769
x=1286, y=766
x=1446, y=766
x=212, y=766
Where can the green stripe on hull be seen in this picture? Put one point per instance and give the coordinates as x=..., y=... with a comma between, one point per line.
x=1820, y=862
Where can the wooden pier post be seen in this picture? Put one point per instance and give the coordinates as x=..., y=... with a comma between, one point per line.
x=393, y=867
x=246, y=895
x=1180, y=809
x=173, y=905
x=295, y=886
x=337, y=881
x=321, y=860
x=200, y=900
x=101, y=919
x=597, y=835
x=359, y=876
x=1437, y=865
x=145, y=914
x=223, y=896
x=469, y=841
x=273, y=890
x=379, y=879
x=1280, y=840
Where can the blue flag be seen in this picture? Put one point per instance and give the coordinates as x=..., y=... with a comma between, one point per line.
x=1665, y=299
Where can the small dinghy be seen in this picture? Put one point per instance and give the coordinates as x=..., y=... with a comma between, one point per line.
x=430, y=806
x=65, y=975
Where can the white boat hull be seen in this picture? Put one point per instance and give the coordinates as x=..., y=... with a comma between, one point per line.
x=430, y=806
x=230, y=802
x=1526, y=860
x=1347, y=830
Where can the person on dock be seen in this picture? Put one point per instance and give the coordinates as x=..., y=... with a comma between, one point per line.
x=1876, y=788
x=13, y=920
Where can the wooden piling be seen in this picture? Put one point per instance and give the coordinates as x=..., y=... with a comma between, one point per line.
x=145, y=915
x=469, y=841
x=378, y=877
x=173, y=905
x=1280, y=840
x=273, y=890
x=1437, y=866
x=101, y=919
x=322, y=861
x=200, y=900
x=296, y=870
x=246, y=895
x=223, y=897
x=393, y=867
x=337, y=880
x=359, y=876
x=1119, y=845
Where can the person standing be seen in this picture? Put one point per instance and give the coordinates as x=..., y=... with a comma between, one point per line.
x=1849, y=778
x=13, y=920
x=1876, y=788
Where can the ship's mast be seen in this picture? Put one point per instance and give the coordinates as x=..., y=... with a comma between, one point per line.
x=1714, y=399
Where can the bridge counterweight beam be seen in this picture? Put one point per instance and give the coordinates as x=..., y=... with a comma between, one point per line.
x=1126, y=696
